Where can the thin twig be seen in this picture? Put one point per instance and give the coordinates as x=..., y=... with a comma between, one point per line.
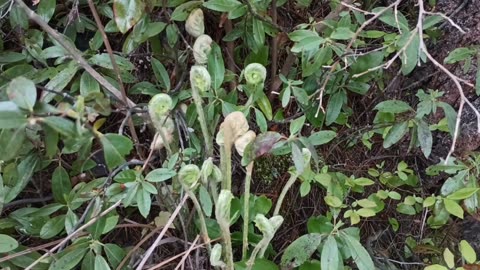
x=76, y=55
x=66, y=239
x=192, y=246
x=160, y=236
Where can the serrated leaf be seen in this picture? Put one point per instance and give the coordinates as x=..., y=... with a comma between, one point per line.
x=22, y=92
x=127, y=13
x=300, y=250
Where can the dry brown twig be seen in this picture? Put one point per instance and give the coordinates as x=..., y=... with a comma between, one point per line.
x=190, y=249
x=150, y=250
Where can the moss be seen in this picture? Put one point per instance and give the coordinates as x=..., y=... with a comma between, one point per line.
x=270, y=167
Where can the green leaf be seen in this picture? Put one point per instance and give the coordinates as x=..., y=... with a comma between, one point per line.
x=333, y=201
x=359, y=254
x=453, y=208
x=296, y=125
x=205, y=200
x=342, y=33
x=462, y=193
x=215, y=66
x=393, y=106
x=362, y=181
x=305, y=188
x=115, y=147
x=127, y=13
x=24, y=173
x=396, y=20
x=144, y=202
x=7, y=243
x=160, y=175
x=22, y=92
x=406, y=209
x=261, y=121
x=334, y=107
x=436, y=267
x=330, y=255
x=410, y=55
x=258, y=264
x=468, y=253
x=61, y=80
x=300, y=250
x=89, y=87
x=61, y=125
x=358, y=87
x=459, y=54
x=258, y=32
x=286, y=94
x=61, y=184
x=222, y=5
x=46, y=9
x=101, y=263
x=53, y=227
x=103, y=60
x=449, y=258
x=182, y=11
x=322, y=137
x=424, y=136
x=115, y=254
x=8, y=57
x=161, y=73
x=395, y=134
x=365, y=212
x=451, y=116
x=69, y=260
x=264, y=105
x=298, y=159
x=11, y=142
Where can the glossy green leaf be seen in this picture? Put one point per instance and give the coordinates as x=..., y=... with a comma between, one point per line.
x=330, y=255
x=359, y=254
x=322, y=137
x=115, y=148
x=144, y=202
x=115, y=254
x=453, y=208
x=53, y=227
x=61, y=184
x=46, y=9
x=69, y=260
x=160, y=175
x=463, y=193
x=468, y=253
x=300, y=250
x=222, y=5
x=22, y=92
x=395, y=134
x=7, y=243
x=127, y=13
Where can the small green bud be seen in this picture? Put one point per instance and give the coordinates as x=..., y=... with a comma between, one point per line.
x=194, y=24
x=158, y=109
x=189, y=175
x=200, y=79
x=207, y=170
x=201, y=49
x=255, y=74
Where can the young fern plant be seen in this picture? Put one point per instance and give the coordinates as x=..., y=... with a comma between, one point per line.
x=158, y=109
